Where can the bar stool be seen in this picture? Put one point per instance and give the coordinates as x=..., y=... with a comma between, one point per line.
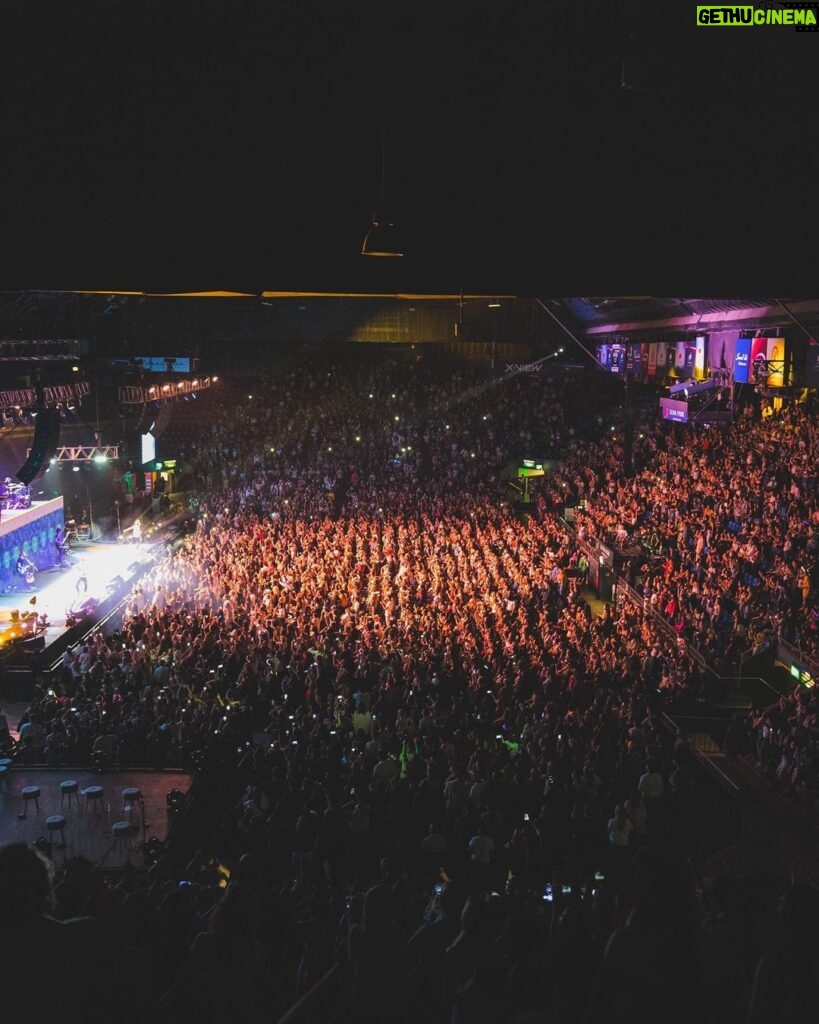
x=30, y=793
x=69, y=789
x=92, y=794
x=56, y=823
x=122, y=831
x=131, y=796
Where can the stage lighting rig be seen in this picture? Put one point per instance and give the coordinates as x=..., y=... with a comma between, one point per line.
x=99, y=453
x=45, y=397
x=130, y=394
x=14, y=350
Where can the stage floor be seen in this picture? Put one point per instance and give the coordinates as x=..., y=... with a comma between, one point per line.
x=56, y=589
x=87, y=833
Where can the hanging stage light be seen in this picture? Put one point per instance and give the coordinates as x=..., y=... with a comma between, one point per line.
x=383, y=238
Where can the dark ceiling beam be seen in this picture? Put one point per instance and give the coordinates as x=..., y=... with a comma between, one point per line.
x=752, y=316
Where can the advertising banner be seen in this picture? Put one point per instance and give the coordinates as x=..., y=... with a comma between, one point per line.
x=699, y=358
x=812, y=364
x=690, y=353
x=775, y=354
x=759, y=357
x=742, y=360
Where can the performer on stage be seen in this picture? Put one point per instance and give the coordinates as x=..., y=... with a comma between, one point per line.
x=26, y=569
x=61, y=544
x=82, y=576
x=136, y=532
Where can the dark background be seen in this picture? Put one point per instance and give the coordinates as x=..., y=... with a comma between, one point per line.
x=193, y=146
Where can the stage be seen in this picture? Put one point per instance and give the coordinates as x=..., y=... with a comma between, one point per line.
x=88, y=832
x=31, y=530
x=108, y=566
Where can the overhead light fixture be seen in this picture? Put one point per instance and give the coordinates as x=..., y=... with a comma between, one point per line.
x=383, y=237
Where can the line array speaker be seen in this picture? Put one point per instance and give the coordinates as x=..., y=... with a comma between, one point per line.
x=46, y=439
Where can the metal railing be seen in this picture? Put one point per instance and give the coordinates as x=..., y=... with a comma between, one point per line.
x=788, y=652
x=692, y=651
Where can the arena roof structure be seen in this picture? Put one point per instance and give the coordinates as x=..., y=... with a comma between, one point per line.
x=532, y=149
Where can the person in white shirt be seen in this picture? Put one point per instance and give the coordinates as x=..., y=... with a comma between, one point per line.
x=651, y=783
x=620, y=828
x=81, y=569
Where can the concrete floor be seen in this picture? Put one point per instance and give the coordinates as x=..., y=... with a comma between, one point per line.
x=87, y=833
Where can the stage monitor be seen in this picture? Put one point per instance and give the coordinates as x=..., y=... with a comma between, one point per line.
x=148, y=448
x=164, y=364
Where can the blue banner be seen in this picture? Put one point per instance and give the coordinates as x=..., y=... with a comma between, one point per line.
x=742, y=360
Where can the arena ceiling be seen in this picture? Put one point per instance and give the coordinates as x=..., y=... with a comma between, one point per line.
x=634, y=316
x=533, y=149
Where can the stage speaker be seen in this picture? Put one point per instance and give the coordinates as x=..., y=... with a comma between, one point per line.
x=88, y=607
x=31, y=644
x=163, y=419
x=46, y=439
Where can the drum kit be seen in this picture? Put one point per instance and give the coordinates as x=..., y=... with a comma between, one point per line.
x=75, y=533
x=14, y=495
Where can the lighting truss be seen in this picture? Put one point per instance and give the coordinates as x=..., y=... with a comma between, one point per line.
x=131, y=394
x=66, y=392
x=31, y=398
x=13, y=350
x=86, y=453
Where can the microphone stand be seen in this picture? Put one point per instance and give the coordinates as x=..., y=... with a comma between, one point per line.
x=144, y=822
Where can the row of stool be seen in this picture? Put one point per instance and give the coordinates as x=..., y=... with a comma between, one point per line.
x=131, y=796
x=122, y=831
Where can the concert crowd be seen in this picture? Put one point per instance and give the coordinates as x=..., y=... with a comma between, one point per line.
x=457, y=794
